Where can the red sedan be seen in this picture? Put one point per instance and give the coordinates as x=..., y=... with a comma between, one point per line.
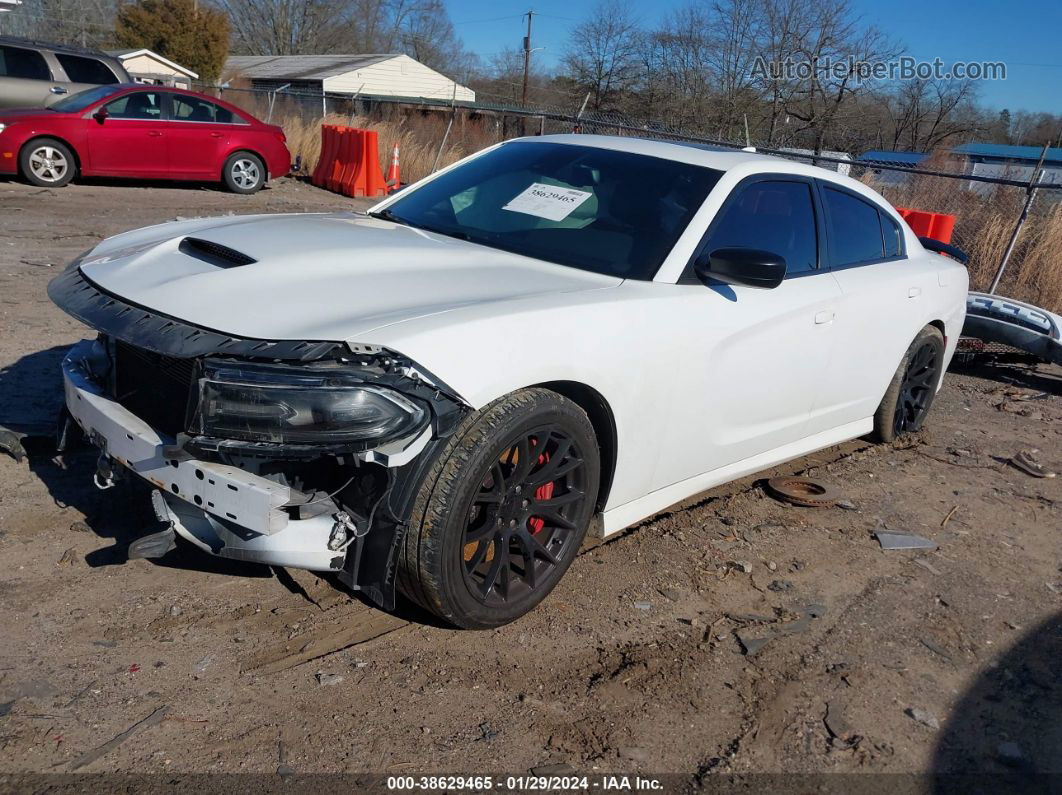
x=142, y=131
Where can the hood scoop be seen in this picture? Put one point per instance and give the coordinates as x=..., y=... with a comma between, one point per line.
x=214, y=253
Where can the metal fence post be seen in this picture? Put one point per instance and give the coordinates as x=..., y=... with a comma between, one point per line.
x=449, y=124
x=1030, y=194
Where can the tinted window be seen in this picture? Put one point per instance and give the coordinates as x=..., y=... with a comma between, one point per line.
x=138, y=105
x=194, y=109
x=594, y=209
x=17, y=62
x=778, y=217
x=855, y=231
x=890, y=230
x=86, y=70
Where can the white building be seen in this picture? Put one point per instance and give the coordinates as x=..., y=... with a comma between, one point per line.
x=145, y=66
x=389, y=75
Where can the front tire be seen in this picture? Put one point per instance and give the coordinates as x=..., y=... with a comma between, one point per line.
x=503, y=511
x=910, y=394
x=244, y=173
x=47, y=162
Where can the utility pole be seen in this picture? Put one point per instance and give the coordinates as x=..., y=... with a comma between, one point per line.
x=527, y=58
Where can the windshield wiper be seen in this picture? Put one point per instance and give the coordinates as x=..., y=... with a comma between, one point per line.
x=387, y=214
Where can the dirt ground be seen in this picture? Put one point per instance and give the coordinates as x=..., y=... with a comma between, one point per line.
x=876, y=661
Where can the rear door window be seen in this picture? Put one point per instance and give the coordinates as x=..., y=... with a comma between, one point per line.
x=775, y=216
x=187, y=108
x=86, y=70
x=20, y=62
x=854, y=228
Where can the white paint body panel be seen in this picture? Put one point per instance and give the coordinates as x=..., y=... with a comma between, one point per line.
x=705, y=384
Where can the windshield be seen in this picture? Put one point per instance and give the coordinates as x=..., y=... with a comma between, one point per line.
x=595, y=209
x=82, y=99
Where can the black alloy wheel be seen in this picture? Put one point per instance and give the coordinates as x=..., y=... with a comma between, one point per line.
x=910, y=393
x=502, y=510
x=917, y=389
x=524, y=517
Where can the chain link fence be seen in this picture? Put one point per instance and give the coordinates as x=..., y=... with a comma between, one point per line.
x=999, y=221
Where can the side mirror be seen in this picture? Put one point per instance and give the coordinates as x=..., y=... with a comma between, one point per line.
x=748, y=266
x=101, y=115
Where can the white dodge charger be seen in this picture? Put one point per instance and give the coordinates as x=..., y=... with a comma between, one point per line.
x=441, y=395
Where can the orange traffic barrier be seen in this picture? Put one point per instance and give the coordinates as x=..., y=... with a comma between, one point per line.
x=328, y=155
x=349, y=162
x=394, y=173
x=938, y=226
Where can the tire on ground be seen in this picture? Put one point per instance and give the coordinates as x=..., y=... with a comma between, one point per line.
x=237, y=183
x=885, y=416
x=431, y=562
x=61, y=153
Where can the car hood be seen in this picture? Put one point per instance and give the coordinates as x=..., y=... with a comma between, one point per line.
x=24, y=114
x=314, y=277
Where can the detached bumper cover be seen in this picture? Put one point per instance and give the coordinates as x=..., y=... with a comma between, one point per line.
x=223, y=510
x=993, y=318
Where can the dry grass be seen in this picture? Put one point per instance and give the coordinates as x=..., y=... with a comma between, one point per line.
x=418, y=140
x=417, y=134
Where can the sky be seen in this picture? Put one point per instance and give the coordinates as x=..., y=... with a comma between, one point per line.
x=1024, y=34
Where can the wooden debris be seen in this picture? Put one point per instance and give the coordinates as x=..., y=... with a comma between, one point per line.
x=154, y=718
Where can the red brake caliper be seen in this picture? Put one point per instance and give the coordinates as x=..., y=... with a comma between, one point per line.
x=543, y=492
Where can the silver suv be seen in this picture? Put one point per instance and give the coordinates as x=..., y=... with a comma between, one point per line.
x=34, y=74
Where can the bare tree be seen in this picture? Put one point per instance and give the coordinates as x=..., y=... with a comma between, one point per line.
x=89, y=23
x=734, y=34
x=833, y=48
x=421, y=28
x=602, y=53
x=926, y=112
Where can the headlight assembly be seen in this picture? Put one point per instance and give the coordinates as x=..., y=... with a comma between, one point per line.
x=312, y=405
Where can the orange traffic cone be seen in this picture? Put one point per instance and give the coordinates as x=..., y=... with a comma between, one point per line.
x=394, y=173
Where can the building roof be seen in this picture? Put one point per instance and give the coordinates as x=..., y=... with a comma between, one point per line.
x=124, y=55
x=1005, y=152
x=896, y=158
x=301, y=67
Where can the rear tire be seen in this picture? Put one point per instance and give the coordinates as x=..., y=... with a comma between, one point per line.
x=910, y=394
x=244, y=173
x=47, y=162
x=492, y=531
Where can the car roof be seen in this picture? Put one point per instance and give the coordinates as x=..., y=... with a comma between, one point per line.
x=700, y=154
x=72, y=49
x=746, y=162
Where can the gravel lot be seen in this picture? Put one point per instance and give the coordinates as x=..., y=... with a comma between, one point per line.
x=877, y=661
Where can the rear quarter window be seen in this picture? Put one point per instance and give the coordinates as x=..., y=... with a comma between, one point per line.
x=86, y=70
x=892, y=235
x=189, y=108
x=20, y=62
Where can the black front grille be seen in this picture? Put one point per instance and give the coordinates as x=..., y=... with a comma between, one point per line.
x=154, y=387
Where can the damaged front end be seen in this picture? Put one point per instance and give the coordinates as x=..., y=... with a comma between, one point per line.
x=288, y=453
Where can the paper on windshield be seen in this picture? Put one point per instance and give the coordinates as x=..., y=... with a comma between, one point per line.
x=547, y=201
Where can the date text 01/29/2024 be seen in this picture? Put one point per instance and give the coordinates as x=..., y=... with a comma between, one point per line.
x=529, y=783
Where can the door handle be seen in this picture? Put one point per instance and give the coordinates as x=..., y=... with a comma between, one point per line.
x=825, y=316
x=215, y=135
x=58, y=90
x=154, y=133
x=914, y=292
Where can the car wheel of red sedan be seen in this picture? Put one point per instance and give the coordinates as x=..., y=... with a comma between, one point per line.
x=47, y=162
x=244, y=173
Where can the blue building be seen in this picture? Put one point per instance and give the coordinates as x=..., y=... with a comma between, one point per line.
x=983, y=160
